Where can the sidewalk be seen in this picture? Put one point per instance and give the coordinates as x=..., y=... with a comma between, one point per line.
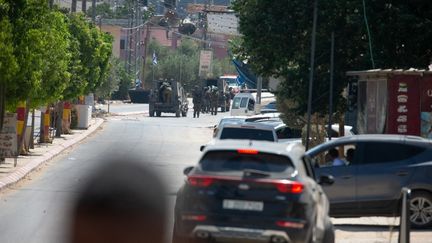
x=10, y=175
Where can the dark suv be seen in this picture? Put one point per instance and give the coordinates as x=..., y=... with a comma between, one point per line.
x=371, y=171
x=249, y=190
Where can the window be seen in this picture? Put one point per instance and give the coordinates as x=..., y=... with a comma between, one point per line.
x=236, y=103
x=287, y=132
x=247, y=133
x=243, y=102
x=122, y=44
x=382, y=152
x=232, y=161
x=343, y=155
x=251, y=105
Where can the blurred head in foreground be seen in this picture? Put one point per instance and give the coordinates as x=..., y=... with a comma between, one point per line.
x=122, y=202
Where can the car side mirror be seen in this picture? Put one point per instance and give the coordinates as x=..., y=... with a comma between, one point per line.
x=202, y=148
x=187, y=170
x=326, y=180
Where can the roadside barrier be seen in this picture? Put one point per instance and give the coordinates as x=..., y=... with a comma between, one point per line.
x=405, y=225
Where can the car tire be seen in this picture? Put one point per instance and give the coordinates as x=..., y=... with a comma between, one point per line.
x=329, y=234
x=158, y=113
x=421, y=209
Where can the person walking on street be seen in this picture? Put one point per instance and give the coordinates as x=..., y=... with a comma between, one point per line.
x=214, y=100
x=197, y=100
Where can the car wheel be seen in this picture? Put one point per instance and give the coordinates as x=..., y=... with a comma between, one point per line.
x=158, y=113
x=329, y=234
x=177, y=114
x=421, y=209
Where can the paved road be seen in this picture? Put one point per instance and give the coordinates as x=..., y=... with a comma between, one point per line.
x=36, y=209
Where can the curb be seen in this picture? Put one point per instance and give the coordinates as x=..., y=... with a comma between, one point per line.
x=19, y=174
x=129, y=113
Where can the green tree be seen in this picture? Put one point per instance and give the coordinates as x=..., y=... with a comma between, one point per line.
x=117, y=81
x=41, y=48
x=284, y=50
x=8, y=63
x=182, y=64
x=91, y=51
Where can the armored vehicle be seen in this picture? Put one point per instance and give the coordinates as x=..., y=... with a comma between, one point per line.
x=168, y=97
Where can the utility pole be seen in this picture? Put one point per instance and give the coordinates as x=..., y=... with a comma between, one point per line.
x=311, y=73
x=74, y=5
x=329, y=129
x=146, y=41
x=94, y=11
x=84, y=6
x=259, y=91
x=129, y=60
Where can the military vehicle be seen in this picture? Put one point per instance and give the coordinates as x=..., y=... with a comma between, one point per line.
x=222, y=86
x=168, y=97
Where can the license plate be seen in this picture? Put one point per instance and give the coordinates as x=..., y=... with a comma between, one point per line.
x=243, y=205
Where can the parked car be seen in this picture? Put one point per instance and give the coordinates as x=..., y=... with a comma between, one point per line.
x=373, y=171
x=248, y=131
x=243, y=131
x=284, y=133
x=228, y=119
x=269, y=108
x=252, y=190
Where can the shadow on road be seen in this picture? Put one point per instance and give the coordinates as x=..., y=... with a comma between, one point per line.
x=372, y=228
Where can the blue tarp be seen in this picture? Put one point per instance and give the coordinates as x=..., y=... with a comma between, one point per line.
x=245, y=74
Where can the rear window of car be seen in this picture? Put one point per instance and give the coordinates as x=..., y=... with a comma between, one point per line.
x=217, y=161
x=247, y=133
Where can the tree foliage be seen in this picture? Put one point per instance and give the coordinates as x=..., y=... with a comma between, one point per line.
x=47, y=55
x=8, y=62
x=277, y=36
x=117, y=81
x=182, y=64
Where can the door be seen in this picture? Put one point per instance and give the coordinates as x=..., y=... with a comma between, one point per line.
x=385, y=168
x=343, y=167
x=239, y=106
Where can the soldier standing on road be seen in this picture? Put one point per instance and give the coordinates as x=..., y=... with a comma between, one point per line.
x=214, y=99
x=206, y=100
x=222, y=101
x=197, y=98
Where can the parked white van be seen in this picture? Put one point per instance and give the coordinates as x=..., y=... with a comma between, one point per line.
x=244, y=104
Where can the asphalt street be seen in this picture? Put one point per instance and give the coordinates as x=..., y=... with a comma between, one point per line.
x=36, y=209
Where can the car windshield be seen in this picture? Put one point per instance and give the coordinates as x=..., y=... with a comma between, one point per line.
x=247, y=133
x=218, y=161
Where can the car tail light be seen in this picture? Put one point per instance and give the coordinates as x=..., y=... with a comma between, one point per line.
x=199, y=218
x=200, y=181
x=247, y=151
x=287, y=224
x=286, y=186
